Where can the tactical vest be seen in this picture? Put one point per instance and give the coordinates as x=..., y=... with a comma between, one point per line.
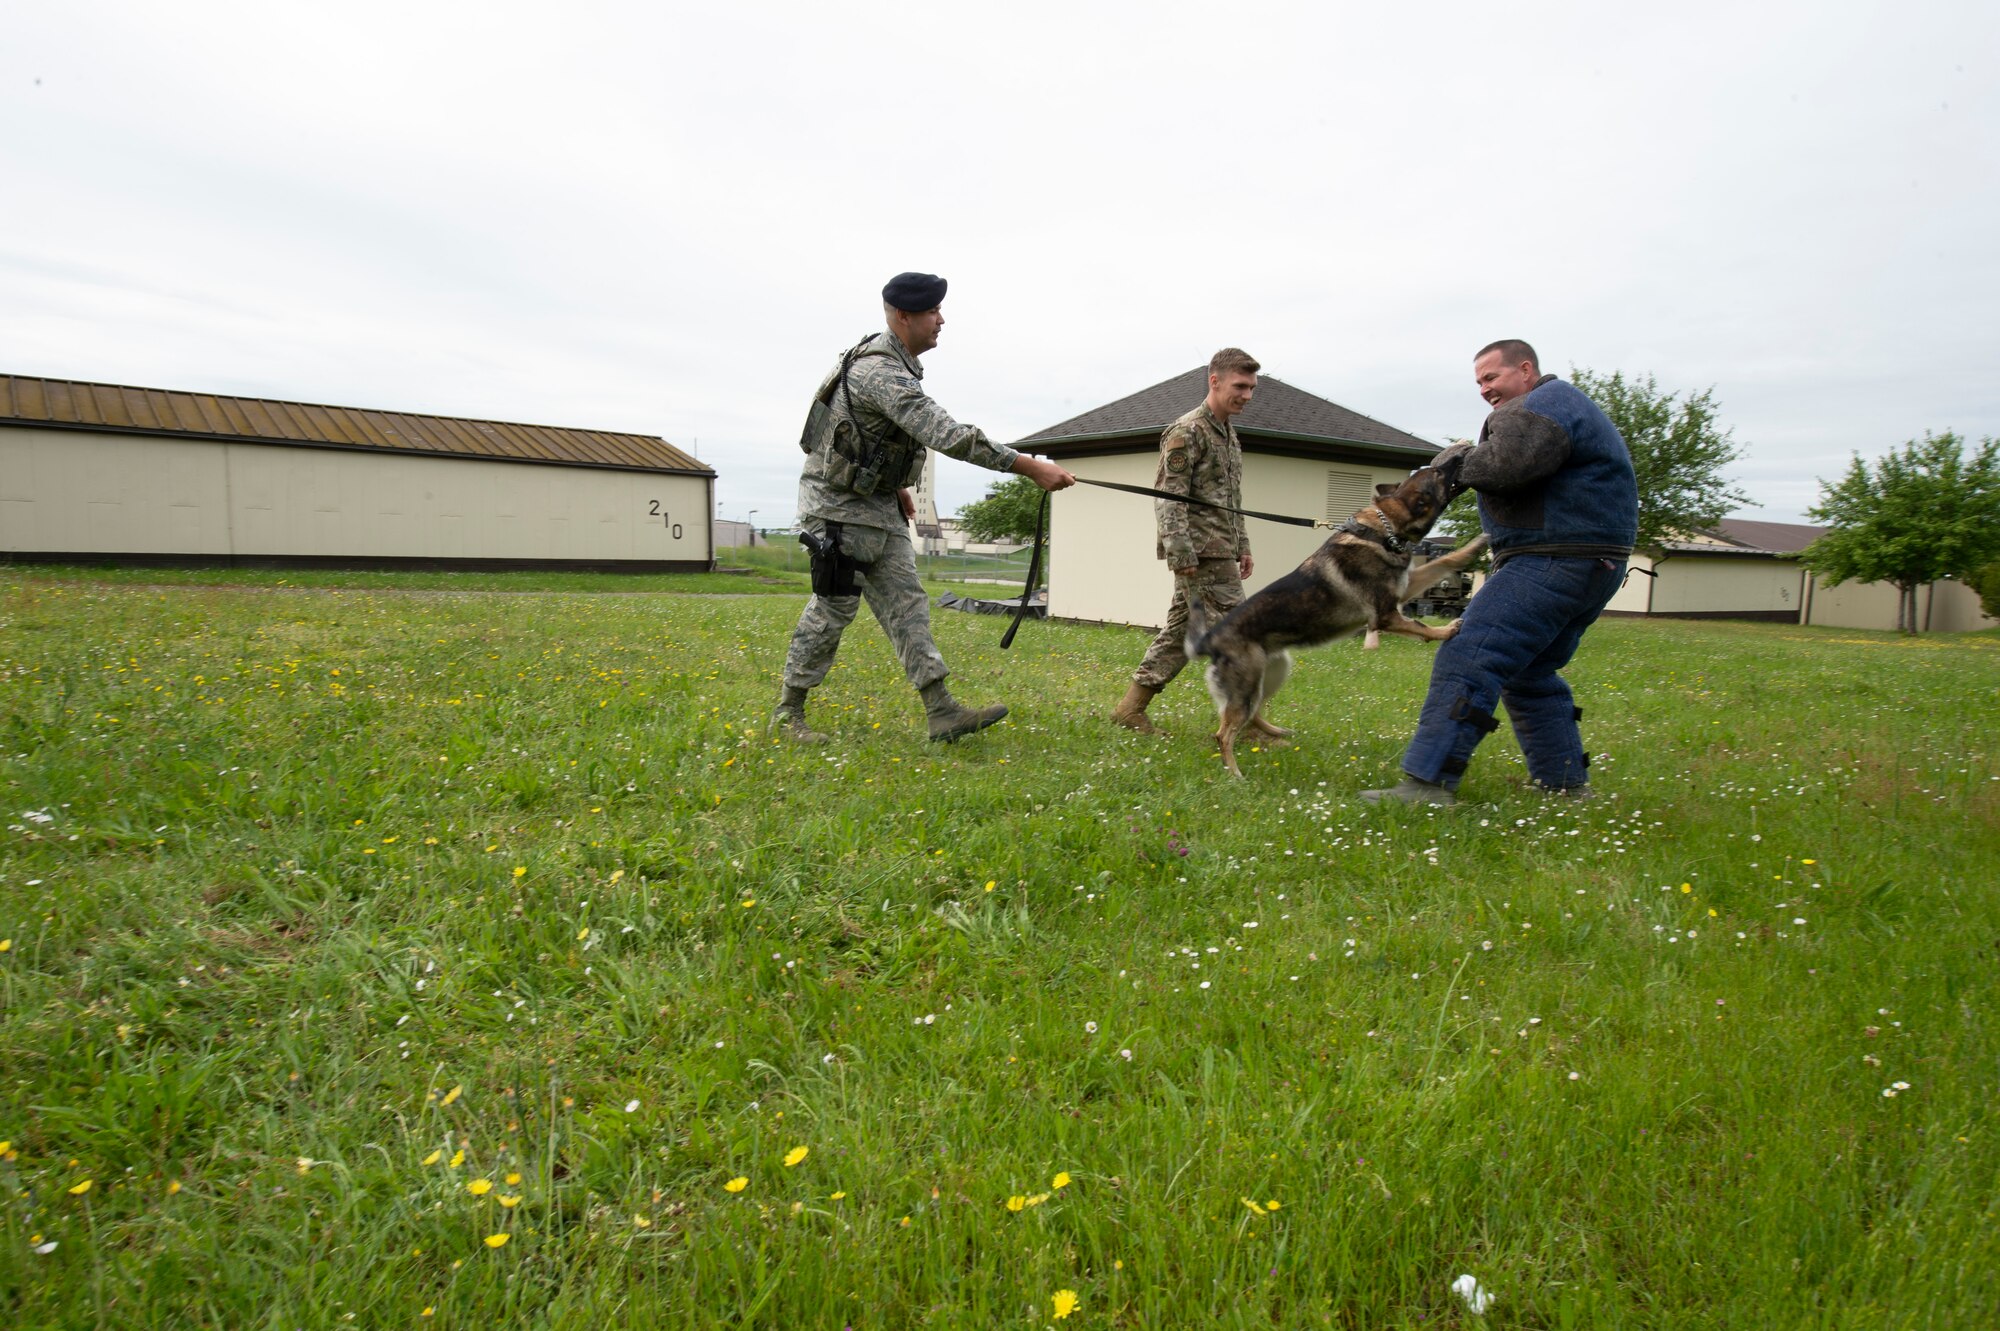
x=850, y=456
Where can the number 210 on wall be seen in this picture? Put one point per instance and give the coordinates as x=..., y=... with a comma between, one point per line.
x=655, y=511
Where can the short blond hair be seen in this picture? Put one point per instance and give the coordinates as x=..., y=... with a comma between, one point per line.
x=1232, y=360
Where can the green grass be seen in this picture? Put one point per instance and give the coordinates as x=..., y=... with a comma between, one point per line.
x=302, y=888
x=733, y=577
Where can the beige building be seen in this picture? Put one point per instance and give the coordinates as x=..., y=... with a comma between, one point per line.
x=102, y=472
x=1749, y=570
x=1303, y=456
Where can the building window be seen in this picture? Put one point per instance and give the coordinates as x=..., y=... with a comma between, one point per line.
x=1347, y=493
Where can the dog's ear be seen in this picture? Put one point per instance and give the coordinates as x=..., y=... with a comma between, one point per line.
x=1386, y=489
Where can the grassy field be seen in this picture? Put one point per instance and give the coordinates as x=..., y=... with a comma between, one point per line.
x=464, y=958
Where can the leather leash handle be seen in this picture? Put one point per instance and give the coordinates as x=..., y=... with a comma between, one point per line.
x=1034, y=574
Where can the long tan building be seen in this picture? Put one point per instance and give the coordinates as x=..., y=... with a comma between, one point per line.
x=1303, y=456
x=108, y=473
x=1747, y=569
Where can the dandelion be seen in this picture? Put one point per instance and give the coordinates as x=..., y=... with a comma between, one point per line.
x=642, y=1222
x=498, y=1240
x=796, y=1154
x=512, y=1179
x=1064, y=1301
x=78, y=1189
x=1271, y=1206
x=1254, y=1208
x=479, y=1187
x=1017, y=1203
x=6, y=945
x=1060, y=1180
x=748, y=902
x=433, y=1157
x=451, y=1096
x=990, y=885
x=737, y=1184
x=520, y=870
x=1037, y=1199
x=836, y=1196
x=583, y=933
x=173, y=1187
x=1477, y=1299
x=509, y=1201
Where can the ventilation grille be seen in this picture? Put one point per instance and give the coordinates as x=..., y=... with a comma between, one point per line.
x=1347, y=493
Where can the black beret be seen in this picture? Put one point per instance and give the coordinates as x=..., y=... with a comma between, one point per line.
x=913, y=293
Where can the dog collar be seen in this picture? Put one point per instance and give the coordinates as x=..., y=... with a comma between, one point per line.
x=1395, y=545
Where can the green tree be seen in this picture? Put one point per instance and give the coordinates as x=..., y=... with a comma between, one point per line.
x=1987, y=584
x=1679, y=454
x=1924, y=512
x=1007, y=513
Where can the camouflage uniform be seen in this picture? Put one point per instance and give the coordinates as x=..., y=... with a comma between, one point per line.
x=1200, y=457
x=891, y=406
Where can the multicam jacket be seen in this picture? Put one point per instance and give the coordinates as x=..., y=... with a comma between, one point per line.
x=1200, y=457
x=890, y=404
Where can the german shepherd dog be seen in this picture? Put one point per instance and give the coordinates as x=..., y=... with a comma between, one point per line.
x=1359, y=579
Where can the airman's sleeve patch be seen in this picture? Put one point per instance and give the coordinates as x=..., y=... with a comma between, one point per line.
x=1177, y=460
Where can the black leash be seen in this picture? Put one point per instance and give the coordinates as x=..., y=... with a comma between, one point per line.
x=1203, y=503
x=1034, y=572
x=1042, y=520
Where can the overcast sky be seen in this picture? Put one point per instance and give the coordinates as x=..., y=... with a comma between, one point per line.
x=670, y=218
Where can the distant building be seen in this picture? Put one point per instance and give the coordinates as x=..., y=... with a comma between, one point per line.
x=107, y=473
x=1303, y=456
x=1746, y=569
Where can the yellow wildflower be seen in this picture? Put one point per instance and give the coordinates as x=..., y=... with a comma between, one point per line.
x=583, y=933
x=1271, y=1205
x=1060, y=1180
x=306, y=1163
x=497, y=1240
x=479, y=1187
x=642, y=1222
x=1254, y=1208
x=796, y=1154
x=509, y=1202
x=173, y=1187
x=1016, y=1203
x=736, y=1184
x=457, y=1159
x=77, y=1190
x=433, y=1157
x=520, y=871
x=6, y=945
x=1065, y=1303
x=1038, y=1199
x=512, y=1179
x=836, y=1196
x=452, y=1095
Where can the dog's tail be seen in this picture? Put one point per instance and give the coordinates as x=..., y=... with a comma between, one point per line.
x=1196, y=643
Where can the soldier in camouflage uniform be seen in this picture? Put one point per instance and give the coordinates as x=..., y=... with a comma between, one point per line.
x=1207, y=549
x=865, y=445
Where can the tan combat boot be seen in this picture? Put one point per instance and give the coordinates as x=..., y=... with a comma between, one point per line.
x=950, y=719
x=789, y=717
x=1131, y=712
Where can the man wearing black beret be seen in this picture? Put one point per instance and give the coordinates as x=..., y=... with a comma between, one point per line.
x=864, y=443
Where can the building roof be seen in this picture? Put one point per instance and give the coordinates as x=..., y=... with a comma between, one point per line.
x=68, y=404
x=1783, y=537
x=1279, y=411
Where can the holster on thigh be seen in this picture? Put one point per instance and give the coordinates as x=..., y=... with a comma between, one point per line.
x=834, y=571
